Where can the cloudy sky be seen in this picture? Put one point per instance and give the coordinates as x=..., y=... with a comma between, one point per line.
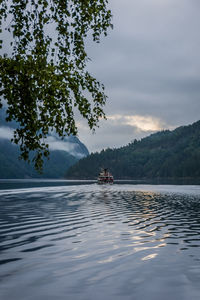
x=150, y=66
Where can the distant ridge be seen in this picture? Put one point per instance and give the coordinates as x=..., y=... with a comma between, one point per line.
x=164, y=154
x=63, y=154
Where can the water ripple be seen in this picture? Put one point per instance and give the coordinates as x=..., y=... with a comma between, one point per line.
x=106, y=235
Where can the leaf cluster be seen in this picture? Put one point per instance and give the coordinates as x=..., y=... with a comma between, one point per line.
x=45, y=76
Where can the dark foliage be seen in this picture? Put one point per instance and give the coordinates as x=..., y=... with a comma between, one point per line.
x=12, y=167
x=44, y=77
x=164, y=154
x=54, y=167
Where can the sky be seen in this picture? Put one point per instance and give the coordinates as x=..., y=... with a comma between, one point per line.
x=150, y=66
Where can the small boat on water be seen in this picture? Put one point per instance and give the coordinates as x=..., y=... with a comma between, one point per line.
x=105, y=177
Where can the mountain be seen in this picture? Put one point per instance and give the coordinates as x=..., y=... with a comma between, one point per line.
x=63, y=154
x=165, y=154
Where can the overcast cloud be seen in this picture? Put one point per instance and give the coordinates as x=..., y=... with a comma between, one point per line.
x=73, y=148
x=150, y=67
x=6, y=133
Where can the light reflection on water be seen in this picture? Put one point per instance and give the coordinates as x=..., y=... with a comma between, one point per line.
x=111, y=242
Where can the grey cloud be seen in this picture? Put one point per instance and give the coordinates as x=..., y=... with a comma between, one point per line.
x=112, y=133
x=115, y=136
x=55, y=144
x=6, y=133
x=149, y=64
x=64, y=145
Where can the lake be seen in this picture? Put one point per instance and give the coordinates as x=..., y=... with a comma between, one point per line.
x=78, y=240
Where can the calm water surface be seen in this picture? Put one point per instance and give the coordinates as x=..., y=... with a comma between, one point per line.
x=72, y=241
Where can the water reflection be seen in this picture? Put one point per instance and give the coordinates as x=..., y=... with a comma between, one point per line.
x=82, y=241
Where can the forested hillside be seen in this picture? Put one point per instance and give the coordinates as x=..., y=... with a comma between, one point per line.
x=63, y=154
x=12, y=167
x=163, y=154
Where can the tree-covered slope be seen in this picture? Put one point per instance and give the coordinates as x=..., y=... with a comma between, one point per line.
x=163, y=154
x=63, y=154
x=12, y=167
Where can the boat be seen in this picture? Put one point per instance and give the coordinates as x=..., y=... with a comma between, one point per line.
x=105, y=177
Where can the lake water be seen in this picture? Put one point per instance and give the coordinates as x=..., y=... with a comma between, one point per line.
x=78, y=240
